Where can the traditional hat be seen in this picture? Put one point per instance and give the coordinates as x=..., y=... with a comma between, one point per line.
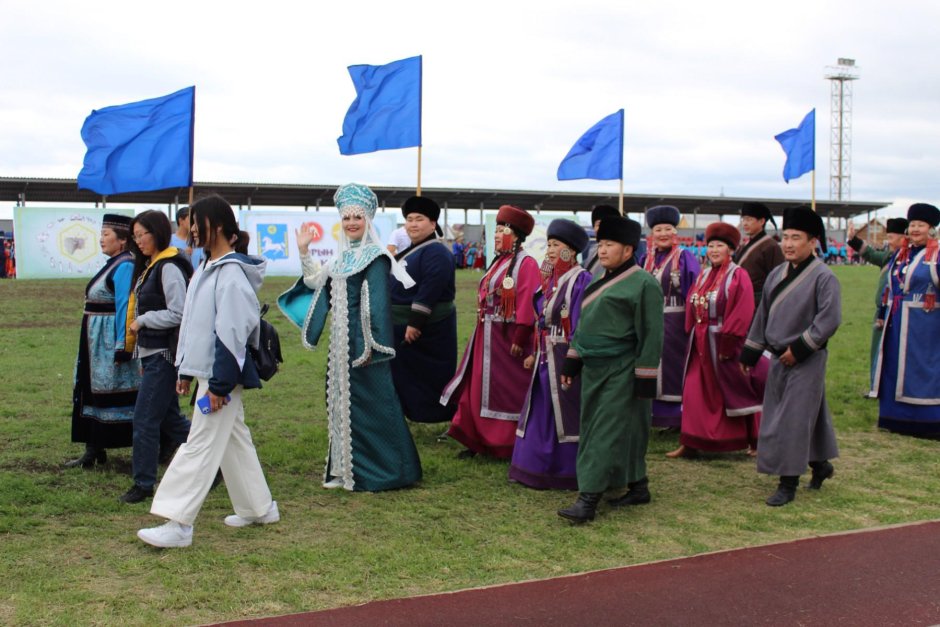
x=423, y=205
x=568, y=232
x=925, y=213
x=662, y=214
x=757, y=210
x=116, y=221
x=724, y=232
x=806, y=220
x=426, y=207
x=620, y=229
x=898, y=226
x=355, y=198
x=517, y=218
x=602, y=211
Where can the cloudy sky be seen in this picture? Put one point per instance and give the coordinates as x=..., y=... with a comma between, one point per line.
x=508, y=87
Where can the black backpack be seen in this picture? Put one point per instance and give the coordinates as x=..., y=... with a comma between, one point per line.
x=267, y=356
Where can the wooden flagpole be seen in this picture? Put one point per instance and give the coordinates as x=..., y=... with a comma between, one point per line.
x=621, y=195
x=418, y=192
x=814, y=190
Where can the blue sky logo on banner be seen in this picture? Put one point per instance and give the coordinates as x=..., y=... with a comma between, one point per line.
x=272, y=241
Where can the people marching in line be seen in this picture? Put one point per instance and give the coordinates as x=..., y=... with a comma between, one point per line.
x=907, y=373
x=563, y=374
x=720, y=404
x=676, y=270
x=489, y=389
x=370, y=446
x=895, y=236
x=424, y=316
x=616, y=352
x=106, y=374
x=154, y=313
x=221, y=321
x=800, y=310
x=546, y=447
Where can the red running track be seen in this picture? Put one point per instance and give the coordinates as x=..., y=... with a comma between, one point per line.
x=888, y=576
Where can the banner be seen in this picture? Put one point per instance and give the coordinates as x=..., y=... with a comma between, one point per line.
x=273, y=236
x=55, y=243
x=535, y=244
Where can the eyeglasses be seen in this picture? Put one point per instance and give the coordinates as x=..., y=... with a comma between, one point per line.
x=140, y=236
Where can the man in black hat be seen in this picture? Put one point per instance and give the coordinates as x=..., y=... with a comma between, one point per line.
x=897, y=227
x=424, y=316
x=591, y=262
x=760, y=253
x=616, y=350
x=799, y=312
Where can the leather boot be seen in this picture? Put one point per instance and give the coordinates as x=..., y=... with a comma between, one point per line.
x=583, y=509
x=638, y=493
x=821, y=471
x=89, y=458
x=786, y=491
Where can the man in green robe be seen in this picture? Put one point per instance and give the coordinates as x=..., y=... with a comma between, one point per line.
x=616, y=351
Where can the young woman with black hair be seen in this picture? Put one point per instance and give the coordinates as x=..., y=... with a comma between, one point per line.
x=155, y=309
x=221, y=320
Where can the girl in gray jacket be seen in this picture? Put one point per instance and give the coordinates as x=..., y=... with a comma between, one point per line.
x=220, y=320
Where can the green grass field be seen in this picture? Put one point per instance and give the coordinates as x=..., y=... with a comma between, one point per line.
x=70, y=555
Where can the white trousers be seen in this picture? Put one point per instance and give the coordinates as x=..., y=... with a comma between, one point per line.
x=217, y=440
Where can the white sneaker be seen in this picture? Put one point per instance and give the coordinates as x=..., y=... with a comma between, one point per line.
x=169, y=535
x=332, y=484
x=239, y=521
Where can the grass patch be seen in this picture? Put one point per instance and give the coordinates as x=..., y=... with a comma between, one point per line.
x=70, y=554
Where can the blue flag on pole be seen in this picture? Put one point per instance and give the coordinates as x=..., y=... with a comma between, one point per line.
x=598, y=154
x=799, y=144
x=386, y=113
x=141, y=146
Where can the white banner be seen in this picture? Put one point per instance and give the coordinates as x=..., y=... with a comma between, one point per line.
x=273, y=236
x=54, y=242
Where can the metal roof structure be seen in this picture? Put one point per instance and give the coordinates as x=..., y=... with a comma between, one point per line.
x=246, y=195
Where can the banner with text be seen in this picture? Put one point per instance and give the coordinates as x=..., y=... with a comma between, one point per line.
x=273, y=236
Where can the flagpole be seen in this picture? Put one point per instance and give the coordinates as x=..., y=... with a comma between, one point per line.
x=621, y=196
x=190, y=195
x=418, y=193
x=814, y=190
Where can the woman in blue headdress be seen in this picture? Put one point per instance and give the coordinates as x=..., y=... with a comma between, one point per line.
x=370, y=447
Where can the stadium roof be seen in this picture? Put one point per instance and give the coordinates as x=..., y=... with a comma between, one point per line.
x=26, y=190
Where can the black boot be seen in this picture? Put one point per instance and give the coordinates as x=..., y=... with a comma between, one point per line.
x=583, y=509
x=785, y=493
x=638, y=493
x=821, y=471
x=89, y=458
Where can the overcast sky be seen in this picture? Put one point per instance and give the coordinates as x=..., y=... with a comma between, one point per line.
x=508, y=87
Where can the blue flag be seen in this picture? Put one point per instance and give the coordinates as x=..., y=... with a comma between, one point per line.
x=141, y=146
x=386, y=113
x=799, y=144
x=598, y=154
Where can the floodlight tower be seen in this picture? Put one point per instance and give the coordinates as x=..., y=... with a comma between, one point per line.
x=840, y=133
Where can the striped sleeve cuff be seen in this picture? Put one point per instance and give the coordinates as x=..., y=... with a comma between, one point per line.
x=419, y=315
x=751, y=353
x=644, y=385
x=803, y=347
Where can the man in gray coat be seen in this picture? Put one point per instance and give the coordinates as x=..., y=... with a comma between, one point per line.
x=799, y=311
